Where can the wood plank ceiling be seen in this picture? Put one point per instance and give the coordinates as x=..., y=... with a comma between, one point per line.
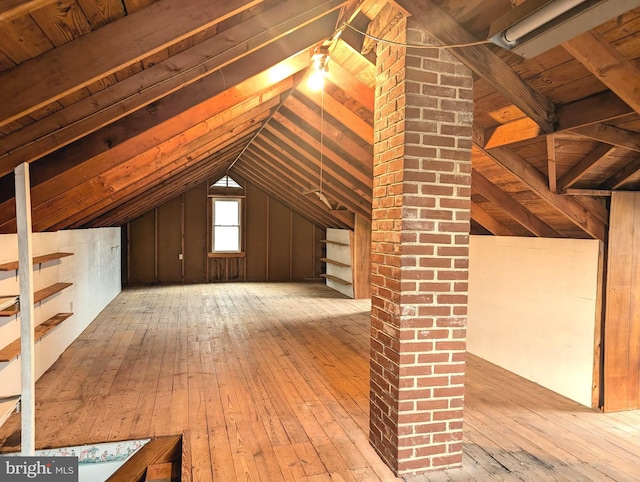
x=120, y=105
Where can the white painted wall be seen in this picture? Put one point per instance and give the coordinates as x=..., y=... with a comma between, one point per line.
x=532, y=309
x=94, y=270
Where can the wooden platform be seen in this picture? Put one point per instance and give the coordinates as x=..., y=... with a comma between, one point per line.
x=270, y=382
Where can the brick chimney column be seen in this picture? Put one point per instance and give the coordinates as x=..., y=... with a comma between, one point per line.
x=420, y=248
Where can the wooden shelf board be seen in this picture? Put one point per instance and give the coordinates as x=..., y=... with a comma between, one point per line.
x=336, y=263
x=336, y=279
x=43, y=258
x=337, y=243
x=12, y=350
x=37, y=297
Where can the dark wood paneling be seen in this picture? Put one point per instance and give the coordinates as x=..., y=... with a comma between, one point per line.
x=280, y=245
x=301, y=248
x=256, y=233
x=279, y=241
x=195, y=235
x=141, y=249
x=170, y=241
x=622, y=314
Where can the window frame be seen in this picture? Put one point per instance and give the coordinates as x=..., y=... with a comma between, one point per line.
x=240, y=225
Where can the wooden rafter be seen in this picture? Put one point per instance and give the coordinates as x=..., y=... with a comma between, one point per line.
x=599, y=108
x=11, y=9
x=611, y=135
x=621, y=176
x=488, y=222
x=579, y=170
x=588, y=219
x=519, y=213
x=481, y=60
x=608, y=65
x=116, y=101
x=54, y=74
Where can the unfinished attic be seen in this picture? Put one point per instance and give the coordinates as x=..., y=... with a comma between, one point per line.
x=424, y=267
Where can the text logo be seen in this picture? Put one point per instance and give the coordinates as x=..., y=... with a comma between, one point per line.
x=39, y=469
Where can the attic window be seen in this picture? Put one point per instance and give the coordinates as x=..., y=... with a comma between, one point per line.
x=226, y=182
x=226, y=233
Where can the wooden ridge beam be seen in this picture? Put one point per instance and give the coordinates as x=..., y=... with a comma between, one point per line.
x=54, y=74
x=608, y=65
x=611, y=135
x=590, y=219
x=578, y=171
x=519, y=213
x=481, y=60
x=106, y=106
x=488, y=222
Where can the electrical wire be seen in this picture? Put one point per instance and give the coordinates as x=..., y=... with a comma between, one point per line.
x=413, y=46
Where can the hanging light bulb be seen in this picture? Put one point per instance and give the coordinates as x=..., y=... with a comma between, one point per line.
x=320, y=61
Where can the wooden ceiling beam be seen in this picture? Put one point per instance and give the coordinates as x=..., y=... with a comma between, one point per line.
x=358, y=91
x=519, y=213
x=596, y=109
x=12, y=9
x=253, y=168
x=141, y=172
x=488, y=222
x=160, y=193
x=590, y=219
x=274, y=152
x=578, y=171
x=605, y=62
x=611, y=135
x=362, y=157
x=338, y=111
x=184, y=116
x=602, y=107
x=106, y=106
x=54, y=74
x=621, y=176
x=289, y=148
x=296, y=137
x=481, y=60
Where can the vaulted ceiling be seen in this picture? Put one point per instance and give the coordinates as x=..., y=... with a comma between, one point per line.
x=120, y=105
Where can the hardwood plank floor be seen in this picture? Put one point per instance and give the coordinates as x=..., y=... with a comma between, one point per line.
x=269, y=382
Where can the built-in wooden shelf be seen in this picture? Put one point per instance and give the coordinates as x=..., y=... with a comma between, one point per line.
x=335, y=243
x=12, y=350
x=37, y=297
x=335, y=263
x=336, y=279
x=13, y=265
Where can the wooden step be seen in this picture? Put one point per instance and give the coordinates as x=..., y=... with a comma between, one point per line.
x=43, y=258
x=37, y=297
x=12, y=350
